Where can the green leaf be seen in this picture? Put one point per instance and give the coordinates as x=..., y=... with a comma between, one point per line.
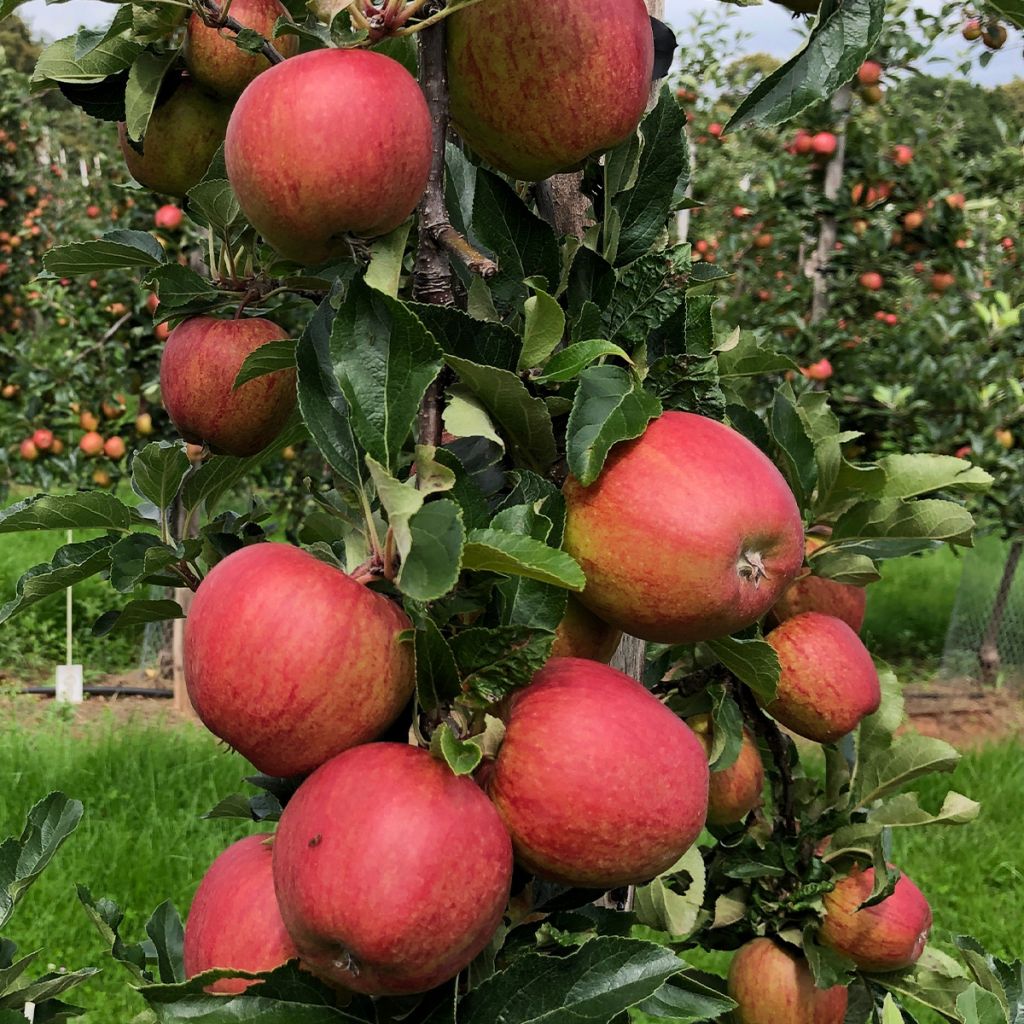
x=80, y=510
x=114, y=251
x=137, y=556
x=891, y=520
x=642, y=299
x=144, y=80
x=904, y=811
x=510, y=553
x=909, y=476
x=494, y=661
x=592, y=985
x=167, y=934
x=727, y=730
x=384, y=272
x=437, y=675
x=435, y=557
x=48, y=987
x=828, y=968
x=844, y=566
x=268, y=358
x=610, y=406
x=567, y=363
x=749, y=358
x=136, y=613
x=672, y=902
x=753, y=662
x=23, y=859
x=465, y=416
x=212, y=203
x=462, y=336
x=462, y=756
x=683, y=1000
x=384, y=359
x=842, y=37
x=71, y=564
x=795, y=447
x=523, y=419
x=930, y=982
x=58, y=62
x=975, y=1005
x=179, y=286
x=542, y=333
x=158, y=470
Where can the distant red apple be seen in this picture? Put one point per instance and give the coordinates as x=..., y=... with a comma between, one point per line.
x=734, y=791
x=92, y=211
x=913, y=220
x=942, y=281
x=963, y=451
x=902, y=155
x=114, y=448
x=169, y=217
x=869, y=73
x=824, y=143
x=763, y=241
x=802, y=143
x=581, y=634
x=391, y=872
x=43, y=439
x=579, y=777
x=956, y=200
x=740, y=212
x=343, y=684
x=234, y=921
x=872, y=280
x=28, y=450
x=715, y=129
x=91, y=443
x=821, y=370
x=891, y=319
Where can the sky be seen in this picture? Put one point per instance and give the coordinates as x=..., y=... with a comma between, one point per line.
x=770, y=28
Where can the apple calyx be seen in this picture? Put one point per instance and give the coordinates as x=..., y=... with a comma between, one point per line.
x=751, y=568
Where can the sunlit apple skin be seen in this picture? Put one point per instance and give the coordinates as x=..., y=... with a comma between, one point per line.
x=200, y=362
x=828, y=681
x=535, y=93
x=391, y=872
x=217, y=64
x=234, y=921
x=581, y=634
x=290, y=661
x=889, y=936
x=690, y=532
x=817, y=594
x=774, y=985
x=735, y=791
x=327, y=144
x=183, y=134
x=599, y=784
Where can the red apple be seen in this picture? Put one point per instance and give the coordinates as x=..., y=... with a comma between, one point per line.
x=91, y=443
x=735, y=791
x=290, y=661
x=872, y=280
x=821, y=370
x=972, y=29
x=508, y=59
x=828, y=681
x=902, y=155
x=168, y=217
x=200, y=362
x=802, y=142
x=220, y=66
x=772, y=984
x=391, y=872
x=711, y=539
x=913, y=220
x=28, y=450
x=57, y=448
x=888, y=936
x=582, y=778
x=869, y=73
x=956, y=200
x=308, y=172
x=942, y=281
x=184, y=132
x=817, y=594
x=715, y=129
x=824, y=143
x=581, y=634
x=234, y=921
x=891, y=319
x=43, y=439
x=762, y=241
x=88, y=421
x=92, y=211
x=114, y=448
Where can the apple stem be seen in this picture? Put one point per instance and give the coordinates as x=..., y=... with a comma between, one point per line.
x=779, y=746
x=215, y=17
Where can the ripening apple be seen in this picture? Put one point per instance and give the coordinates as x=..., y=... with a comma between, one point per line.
x=913, y=220
x=994, y=35
x=43, y=439
x=1004, y=437
x=144, y=424
x=57, y=447
x=581, y=634
x=772, y=984
x=824, y=143
x=168, y=217
x=290, y=661
x=942, y=281
x=200, y=362
x=92, y=211
x=217, y=64
x=888, y=936
x=712, y=538
x=872, y=95
x=114, y=448
x=309, y=171
x=28, y=450
x=184, y=132
x=869, y=73
x=735, y=791
x=956, y=200
x=507, y=59
x=821, y=370
x=581, y=778
x=234, y=921
x=88, y=421
x=872, y=280
x=391, y=872
x=802, y=144
x=828, y=681
x=101, y=478
x=902, y=155
x=972, y=29
x=762, y=241
x=818, y=594
x=91, y=443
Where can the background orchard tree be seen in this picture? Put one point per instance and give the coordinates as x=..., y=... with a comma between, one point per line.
x=526, y=412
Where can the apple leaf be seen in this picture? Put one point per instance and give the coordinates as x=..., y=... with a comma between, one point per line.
x=144, y=80
x=41, y=991
x=727, y=731
x=1012, y=10
x=908, y=758
x=179, y=286
x=465, y=416
x=462, y=756
x=567, y=363
x=213, y=204
x=501, y=551
x=610, y=406
x=432, y=566
x=909, y=476
x=842, y=37
x=116, y=249
x=386, y=255
x=933, y=982
x=384, y=360
x=23, y=858
x=592, y=985
x=750, y=358
x=462, y=336
x=167, y=934
x=753, y=662
x=686, y=999
x=976, y=1005
x=259, y=807
x=58, y=63
x=437, y=675
x=158, y=470
x=910, y=525
x=71, y=564
x=268, y=358
x=137, y=556
x=828, y=967
x=672, y=902
x=794, y=445
x=843, y=566
x=136, y=613
x=904, y=810
x=495, y=661
x=79, y=510
x=543, y=329
x=641, y=300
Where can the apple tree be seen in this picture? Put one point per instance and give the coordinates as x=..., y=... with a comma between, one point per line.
x=536, y=439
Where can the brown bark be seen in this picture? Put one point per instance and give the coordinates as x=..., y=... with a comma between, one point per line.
x=988, y=650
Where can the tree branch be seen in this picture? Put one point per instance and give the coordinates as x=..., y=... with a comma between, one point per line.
x=778, y=745
x=213, y=15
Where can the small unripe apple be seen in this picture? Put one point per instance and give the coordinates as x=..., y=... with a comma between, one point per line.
x=913, y=220
x=824, y=143
x=88, y=420
x=860, y=227
x=942, y=281
x=341, y=682
x=735, y=791
x=763, y=241
x=1004, y=437
x=817, y=594
x=92, y=211
x=581, y=634
x=872, y=95
x=821, y=370
x=101, y=478
x=869, y=73
x=902, y=155
x=144, y=424
x=28, y=450
x=10, y=391
x=772, y=984
x=114, y=448
x=972, y=29
x=391, y=872
x=288, y=453
x=43, y=439
x=579, y=778
x=888, y=936
x=828, y=681
x=956, y=200
x=169, y=217
x=872, y=280
x=234, y=921
x=91, y=443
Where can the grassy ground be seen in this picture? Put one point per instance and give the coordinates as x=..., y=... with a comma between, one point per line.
x=142, y=841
